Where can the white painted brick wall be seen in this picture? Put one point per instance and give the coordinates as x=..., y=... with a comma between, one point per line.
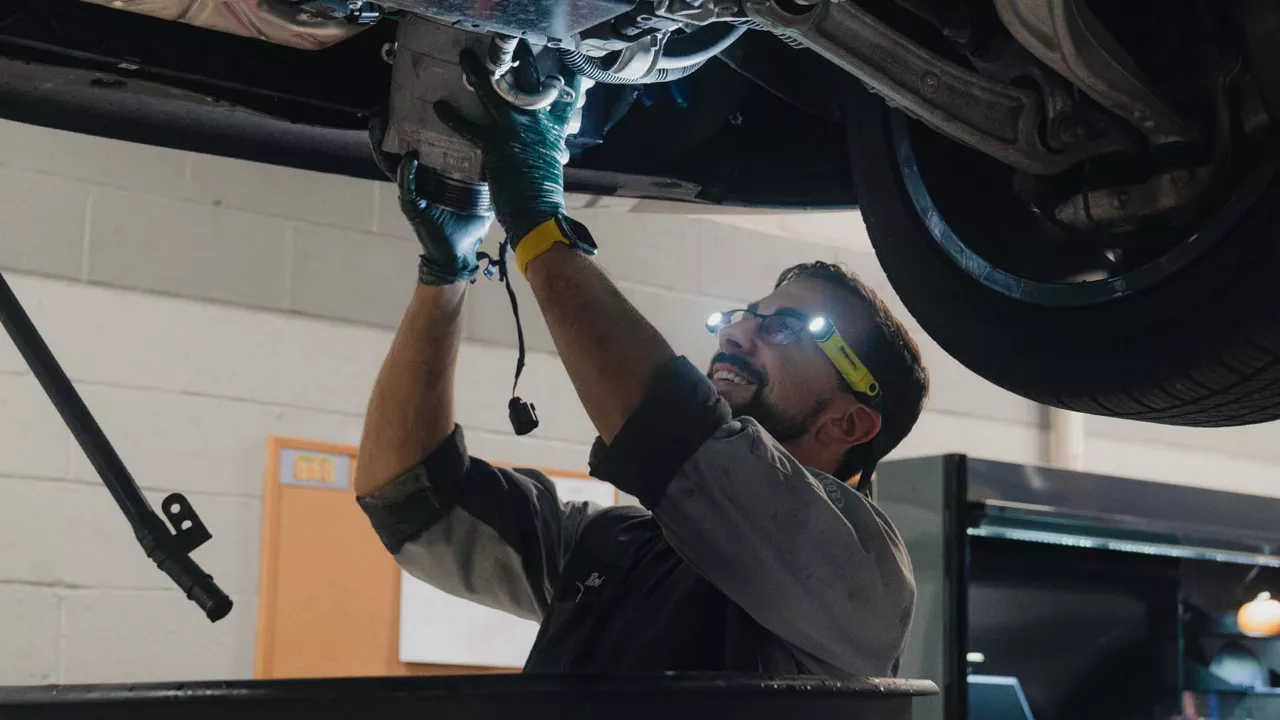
x=32, y=630
x=155, y=171
x=189, y=249
x=352, y=276
x=87, y=328
x=192, y=443
x=151, y=635
x=203, y=304
x=327, y=200
x=744, y=264
x=32, y=442
x=279, y=360
x=42, y=223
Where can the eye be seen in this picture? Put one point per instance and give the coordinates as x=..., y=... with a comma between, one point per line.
x=780, y=329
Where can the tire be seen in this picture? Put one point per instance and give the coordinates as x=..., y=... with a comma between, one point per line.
x=1199, y=347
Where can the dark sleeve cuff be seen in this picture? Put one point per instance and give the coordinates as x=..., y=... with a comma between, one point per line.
x=680, y=413
x=406, y=507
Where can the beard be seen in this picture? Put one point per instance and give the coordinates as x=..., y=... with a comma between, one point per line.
x=762, y=408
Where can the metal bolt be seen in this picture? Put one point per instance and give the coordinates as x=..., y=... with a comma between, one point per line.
x=930, y=81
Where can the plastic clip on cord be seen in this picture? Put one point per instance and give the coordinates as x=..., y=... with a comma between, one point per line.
x=523, y=415
x=169, y=551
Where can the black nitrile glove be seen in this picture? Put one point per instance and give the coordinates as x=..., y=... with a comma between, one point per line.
x=523, y=149
x=450, y=240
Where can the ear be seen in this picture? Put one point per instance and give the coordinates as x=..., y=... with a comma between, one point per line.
x=849, y=422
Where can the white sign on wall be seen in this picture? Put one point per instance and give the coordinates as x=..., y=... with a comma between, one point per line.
x=439, y=629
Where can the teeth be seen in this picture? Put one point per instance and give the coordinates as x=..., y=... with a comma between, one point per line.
x=730, y=376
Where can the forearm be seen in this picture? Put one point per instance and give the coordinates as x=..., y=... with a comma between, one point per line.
x=609, y=349
x=411, y=410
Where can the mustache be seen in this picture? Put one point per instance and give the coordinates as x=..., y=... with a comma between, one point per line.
x=745, y=368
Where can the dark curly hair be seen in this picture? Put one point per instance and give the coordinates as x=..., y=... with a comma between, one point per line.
x=891, y=355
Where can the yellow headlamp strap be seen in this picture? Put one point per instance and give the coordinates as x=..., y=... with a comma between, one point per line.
x=848, y=363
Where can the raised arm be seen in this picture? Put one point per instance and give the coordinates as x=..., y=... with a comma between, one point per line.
x=491, y=535
x=609, y=349
x=411, y=410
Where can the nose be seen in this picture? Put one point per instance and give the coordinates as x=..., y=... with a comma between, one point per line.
x=740, y=337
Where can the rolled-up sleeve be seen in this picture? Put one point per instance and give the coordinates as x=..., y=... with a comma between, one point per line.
x=495, y=536
x=807, y=557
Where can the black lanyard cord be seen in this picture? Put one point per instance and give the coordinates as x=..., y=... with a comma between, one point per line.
x=523, y=415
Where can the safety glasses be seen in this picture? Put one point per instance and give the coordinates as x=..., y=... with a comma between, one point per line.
x=787, y=328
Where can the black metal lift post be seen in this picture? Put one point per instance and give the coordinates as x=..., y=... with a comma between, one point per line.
x=171, y=551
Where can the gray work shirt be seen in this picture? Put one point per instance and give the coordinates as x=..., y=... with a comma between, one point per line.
x=740, y=558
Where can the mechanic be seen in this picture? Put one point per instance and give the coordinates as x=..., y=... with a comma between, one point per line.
x=748, y=554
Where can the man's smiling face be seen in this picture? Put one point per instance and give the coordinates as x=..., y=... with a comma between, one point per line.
x=783, y=387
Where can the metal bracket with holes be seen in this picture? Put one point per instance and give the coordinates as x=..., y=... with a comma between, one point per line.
x=189, y=531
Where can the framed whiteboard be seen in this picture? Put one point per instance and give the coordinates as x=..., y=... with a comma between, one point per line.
x=439, y=629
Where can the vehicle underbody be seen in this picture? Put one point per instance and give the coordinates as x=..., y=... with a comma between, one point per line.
x=1060, y=190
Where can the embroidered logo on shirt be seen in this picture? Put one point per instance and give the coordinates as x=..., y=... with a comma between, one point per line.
x=595, y=581
x=832, y=491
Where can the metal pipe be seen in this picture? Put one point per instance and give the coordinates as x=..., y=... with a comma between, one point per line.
x=589, y=68
x=501, y=60
x=552, y=86
x=274, y=21
x=696, y=49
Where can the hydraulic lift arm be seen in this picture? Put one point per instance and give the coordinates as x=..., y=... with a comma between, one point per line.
x=169, y=551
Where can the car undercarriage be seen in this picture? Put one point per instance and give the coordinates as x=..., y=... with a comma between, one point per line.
x=1069, y=195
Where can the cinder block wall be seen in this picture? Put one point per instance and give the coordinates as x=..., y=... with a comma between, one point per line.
x=203, y=304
